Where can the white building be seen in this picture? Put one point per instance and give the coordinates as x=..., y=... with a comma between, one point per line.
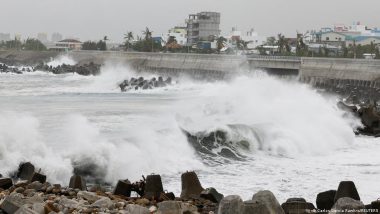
x=363, y=40
x=66, y=45
x=179, y=33
x=251, y=36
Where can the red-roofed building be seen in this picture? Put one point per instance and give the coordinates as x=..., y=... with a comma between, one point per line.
x=69, y=44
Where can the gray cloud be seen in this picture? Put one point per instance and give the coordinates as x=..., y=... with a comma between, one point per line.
x=92, y=19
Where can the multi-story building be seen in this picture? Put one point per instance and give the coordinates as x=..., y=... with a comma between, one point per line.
x=66, y=44
x=203, y=26
x=180, y=35
x=343, y=35
x=251, y=37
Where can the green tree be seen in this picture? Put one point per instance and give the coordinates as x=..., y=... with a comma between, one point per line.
x=101, y=45
x=147, y=34
x=128, y=37
x=271, y=41
x=283, y=44
x=13, y=44
x=34, y=45
x=89, y=45
x=220, y=43
x=301, y=48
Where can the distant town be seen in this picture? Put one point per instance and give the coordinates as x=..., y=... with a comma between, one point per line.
x=201, y=33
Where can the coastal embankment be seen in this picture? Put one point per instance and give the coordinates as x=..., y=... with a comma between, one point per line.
x=316, y=71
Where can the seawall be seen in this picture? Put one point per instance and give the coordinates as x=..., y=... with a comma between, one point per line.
x=312, y=70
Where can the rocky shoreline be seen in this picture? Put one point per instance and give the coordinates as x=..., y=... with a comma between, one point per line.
x=85, y=69
x=29, y=192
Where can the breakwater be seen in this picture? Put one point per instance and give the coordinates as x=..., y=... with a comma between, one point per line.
x=316, y=71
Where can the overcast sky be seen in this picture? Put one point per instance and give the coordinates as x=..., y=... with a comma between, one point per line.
x=92, y=19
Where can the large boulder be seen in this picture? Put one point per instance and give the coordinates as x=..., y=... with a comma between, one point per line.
x=25, y=171
x=231, y=204
x=38, y=177
x=347, y=205
x=297, y=206
x=325, y=200
x=77, y=182
x=212, y=195
x=12, y=203
x=123, y=187
x=175, y=207
x=136, y=209
x=5, y=183
x=191, y=187
x=264, y=202
x=153, y=187
x=346, y=189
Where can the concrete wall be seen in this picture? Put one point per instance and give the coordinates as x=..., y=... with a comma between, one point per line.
x=319, y=70
x=217, y=66
x=195, y=65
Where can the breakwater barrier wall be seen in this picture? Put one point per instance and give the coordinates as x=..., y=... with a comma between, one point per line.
x=316, y=71
x=329, y=72
x=198, y=66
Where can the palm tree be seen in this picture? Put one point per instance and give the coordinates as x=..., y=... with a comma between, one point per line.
x=220, y=43
x=128, y=37
x=147, y=34
x=283, y=44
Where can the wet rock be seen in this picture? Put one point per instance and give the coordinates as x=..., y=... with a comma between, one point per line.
x=142, y=201
x=69, y=203
x=264, y=202
x=25, y=171
x=153, y=187
x=191, y=187
x=175, y=207
x=5, y=183
x=38, y=177
x=347, y=189
x=212, y=195
x=77, y=182
x=49, y=207
x=12, y=203
x=325, y=200
x=297, y=206
x=231, y=204
x=103, y=202
x=39, y=208
x=89, y=196
x=123, y=187
x=136, y=209
x=347, y=205
x=19, y=190
x=167, y=196
x=25, y=210
x=36, y=185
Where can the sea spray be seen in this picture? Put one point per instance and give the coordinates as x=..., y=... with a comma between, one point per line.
x=60, y=60
x=291, y=117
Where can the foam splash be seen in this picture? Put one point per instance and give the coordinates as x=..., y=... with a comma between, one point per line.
x=80, y=143
x=291, y=118
x=60, y=60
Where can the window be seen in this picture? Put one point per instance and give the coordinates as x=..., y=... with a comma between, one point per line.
x=327, y=38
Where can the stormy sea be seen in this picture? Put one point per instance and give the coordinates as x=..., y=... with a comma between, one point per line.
x=250, y=133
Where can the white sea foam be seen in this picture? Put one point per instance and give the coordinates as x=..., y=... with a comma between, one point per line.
x=307, y=145
x=60, y=60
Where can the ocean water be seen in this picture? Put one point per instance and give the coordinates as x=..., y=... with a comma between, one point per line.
x=297, y=142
